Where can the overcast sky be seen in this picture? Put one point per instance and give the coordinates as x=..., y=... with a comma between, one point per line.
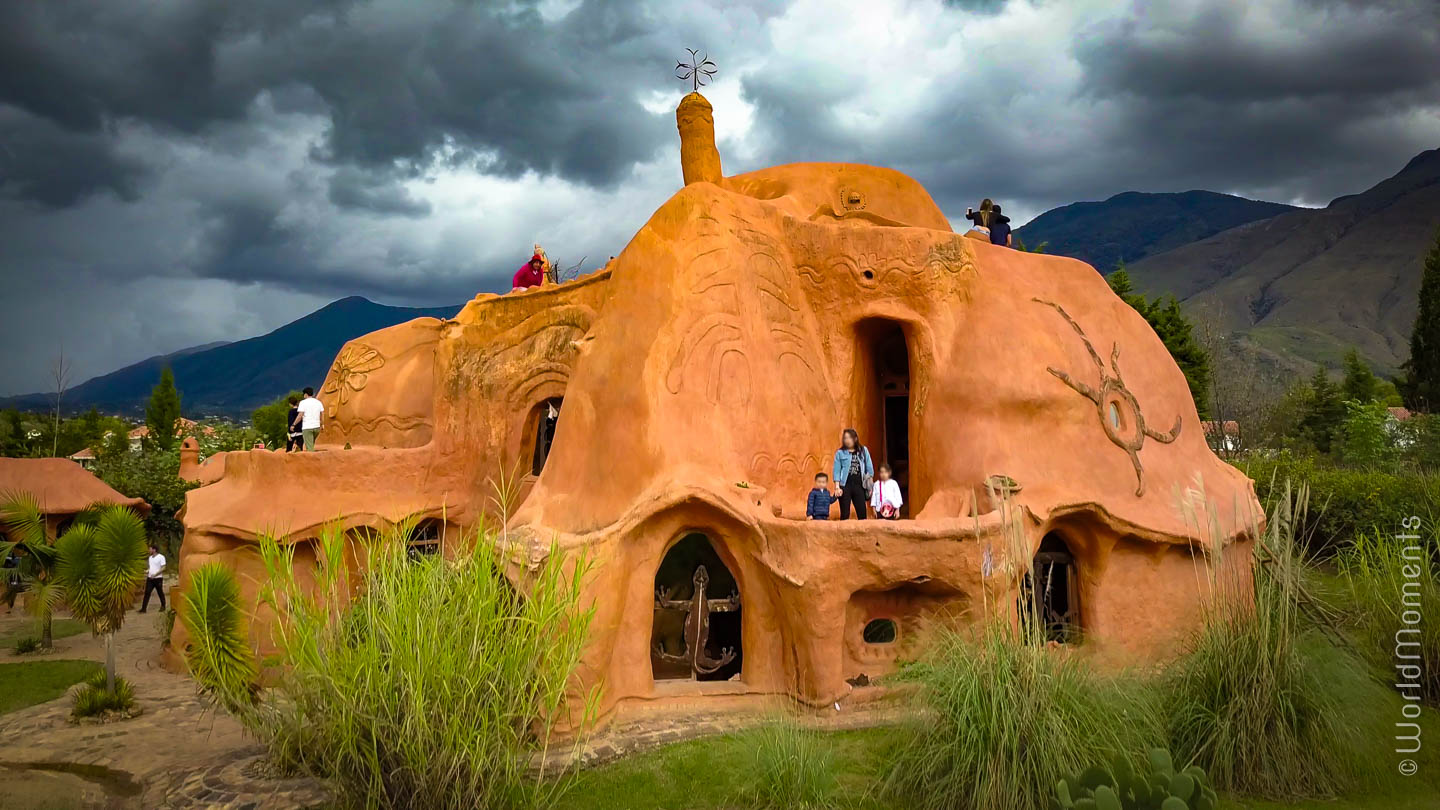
x=175, y=172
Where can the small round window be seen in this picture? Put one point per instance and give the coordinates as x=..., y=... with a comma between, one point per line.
x=880, y=631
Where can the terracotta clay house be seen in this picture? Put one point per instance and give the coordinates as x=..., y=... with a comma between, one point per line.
x=669, y=412
x=62, y=488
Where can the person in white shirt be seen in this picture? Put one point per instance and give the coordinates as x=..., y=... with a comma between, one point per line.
x=154, y=578
x=310, y=418
x=885, y=495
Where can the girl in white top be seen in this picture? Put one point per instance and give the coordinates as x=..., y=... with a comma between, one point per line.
x=885, y=495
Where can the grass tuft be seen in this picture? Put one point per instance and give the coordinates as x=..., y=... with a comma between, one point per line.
x=793, y=768
x=1244, y=703
x=1394, y=593
x=436, y=685
x=26, y=645
x=1003, y=720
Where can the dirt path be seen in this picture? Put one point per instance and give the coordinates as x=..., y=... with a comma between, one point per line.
x=181, y=754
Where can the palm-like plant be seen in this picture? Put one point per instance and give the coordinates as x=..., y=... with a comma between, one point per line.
x=219, y=654
x=25, y=525
x=100, y=561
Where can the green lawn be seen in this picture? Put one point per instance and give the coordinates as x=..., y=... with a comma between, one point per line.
x=30, y=682
x=711, y=774
x=60, y=628
x=714, y=773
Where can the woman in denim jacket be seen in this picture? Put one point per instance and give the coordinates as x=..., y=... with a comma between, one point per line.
x=853, y=468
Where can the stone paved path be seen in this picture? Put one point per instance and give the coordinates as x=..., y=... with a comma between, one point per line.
x=182, y=754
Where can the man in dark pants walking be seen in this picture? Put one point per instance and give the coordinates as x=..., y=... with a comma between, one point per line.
x=154, y=578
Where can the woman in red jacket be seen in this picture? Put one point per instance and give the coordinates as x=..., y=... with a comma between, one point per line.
x=530, y=274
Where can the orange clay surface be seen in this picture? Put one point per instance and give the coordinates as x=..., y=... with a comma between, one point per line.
x=706, y=375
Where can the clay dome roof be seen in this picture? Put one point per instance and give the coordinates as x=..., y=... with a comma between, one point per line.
x=60, y=485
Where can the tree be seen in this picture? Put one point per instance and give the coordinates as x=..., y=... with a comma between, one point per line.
x=1364, y=439
x=269, y=420
x=1175, y=331
x=1421, y=385
x=100, y=561
x=1324, y=410
x=1360, y=384
x=60, y=371
x=163, y=410
x=25, y=525
x=153, y=475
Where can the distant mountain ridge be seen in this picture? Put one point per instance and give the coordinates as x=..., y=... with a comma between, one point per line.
x=1310, y=283
x=1132, y=225
x=232, y=379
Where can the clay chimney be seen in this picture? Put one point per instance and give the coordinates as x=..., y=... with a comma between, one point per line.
x=699, y=159
x=190, y=459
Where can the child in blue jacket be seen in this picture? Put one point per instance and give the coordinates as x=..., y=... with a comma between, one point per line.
x=818, y=506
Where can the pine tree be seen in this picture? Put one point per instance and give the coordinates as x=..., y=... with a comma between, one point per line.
x=1360, y=384
x=1324, y=411
x=1175, y=331
x=1421, y=384
x=163, y=410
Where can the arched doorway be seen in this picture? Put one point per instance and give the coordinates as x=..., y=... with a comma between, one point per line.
x=883, y=400
x=544, y=418
x=695, y=633
x=1054, y=592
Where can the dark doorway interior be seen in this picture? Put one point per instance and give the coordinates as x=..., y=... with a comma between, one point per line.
x=1055, y=592
x=547, y=416
x=888, y=353
x=676, y=580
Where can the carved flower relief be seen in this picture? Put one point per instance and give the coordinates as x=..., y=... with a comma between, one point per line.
x=351, y=371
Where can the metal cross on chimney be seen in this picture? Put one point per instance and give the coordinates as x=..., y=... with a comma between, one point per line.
x=697, y=71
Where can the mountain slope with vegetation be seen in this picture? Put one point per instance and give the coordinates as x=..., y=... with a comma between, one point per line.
x=232, y=379
x=1132, y=225
x=1310, y=283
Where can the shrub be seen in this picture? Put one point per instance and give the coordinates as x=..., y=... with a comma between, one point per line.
x=1389, y=576
x=437, y=686
x=1344, y=502
x=93, y=698
x=1244, y=702
x=1122, y=787
x=794, y=767
x=26, y=645
x=1003, y=720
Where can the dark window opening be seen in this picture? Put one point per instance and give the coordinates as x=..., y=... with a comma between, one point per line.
x=424, y=539
x=676, y=624
x=880, y=631
x=547, y=416
x=63, y=526
x=1054, y=592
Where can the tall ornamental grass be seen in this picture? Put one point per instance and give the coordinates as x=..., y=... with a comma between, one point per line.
x=436, y=686
x=1394, y=594
x=1002, y=715
x=793, y=769
x=1002, y=720
x=1244, y=702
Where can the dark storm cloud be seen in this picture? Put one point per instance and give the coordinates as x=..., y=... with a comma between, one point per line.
x=44, y=162
x=1289, y=100
x=353, y=188
x=401, y=82
x=1313, y=103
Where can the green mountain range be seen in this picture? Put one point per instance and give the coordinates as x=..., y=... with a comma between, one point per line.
x=232, y=379
x=1132, y=225
x=1306, y=285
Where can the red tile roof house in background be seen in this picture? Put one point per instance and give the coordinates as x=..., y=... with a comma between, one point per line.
x=182, y=426
x=61, y=486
